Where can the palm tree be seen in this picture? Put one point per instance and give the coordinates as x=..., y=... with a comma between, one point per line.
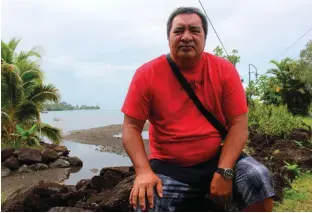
x=23, y=92
x=293, y=91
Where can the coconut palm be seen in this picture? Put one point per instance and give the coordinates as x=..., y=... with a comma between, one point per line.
x=23, y=92
x=293, y=91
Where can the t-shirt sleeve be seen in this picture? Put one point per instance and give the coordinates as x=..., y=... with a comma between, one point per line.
x=234, y=100
x=137, y=100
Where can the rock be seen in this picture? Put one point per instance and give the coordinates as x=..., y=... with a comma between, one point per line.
x=61, y=149
x=38, y=166
x=29, y=156
x=12, y=163
x=6, y=153
x=34, y=198
x=67, y=209
x=5, y=171
x=119, y=197
x=83, y=183
x=24, y=169
x=60, y=163
x=49, y=155
x=122, y=170
x=75, y=161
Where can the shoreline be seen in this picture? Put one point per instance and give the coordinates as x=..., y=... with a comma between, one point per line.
x=103, y=137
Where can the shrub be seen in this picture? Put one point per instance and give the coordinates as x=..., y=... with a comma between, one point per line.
x=273, y=120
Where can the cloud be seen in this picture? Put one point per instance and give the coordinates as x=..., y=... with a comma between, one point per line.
x=105, y=41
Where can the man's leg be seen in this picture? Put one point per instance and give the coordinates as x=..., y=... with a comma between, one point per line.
x=174, y=193
x=253, y=186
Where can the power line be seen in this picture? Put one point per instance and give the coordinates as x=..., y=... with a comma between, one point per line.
x=214, y=28
x=296, y=41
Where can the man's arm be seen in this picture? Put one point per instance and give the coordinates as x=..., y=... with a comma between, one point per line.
x=235, y=141
x=134, y=145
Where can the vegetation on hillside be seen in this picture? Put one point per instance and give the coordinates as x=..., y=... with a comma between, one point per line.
x=65, y=106
x=23, y=95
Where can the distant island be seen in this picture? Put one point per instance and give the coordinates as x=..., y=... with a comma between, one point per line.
x=65, y=106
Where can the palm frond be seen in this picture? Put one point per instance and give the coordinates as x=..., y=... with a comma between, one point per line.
x=13, y=43
x=27, y=110
x=29, y=70
x=12, y=91
x=44, y=93
x=6, y=53
x=25, y=55
x=52, y=133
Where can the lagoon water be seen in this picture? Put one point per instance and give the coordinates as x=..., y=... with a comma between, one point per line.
x=93, y=160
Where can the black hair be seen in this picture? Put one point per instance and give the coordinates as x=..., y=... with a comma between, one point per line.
x=187, y=10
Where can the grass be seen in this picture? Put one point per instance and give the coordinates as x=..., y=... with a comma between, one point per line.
x=308, y=120
x=299, y=197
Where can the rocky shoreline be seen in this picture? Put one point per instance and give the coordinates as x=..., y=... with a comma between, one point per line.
x=26, y=160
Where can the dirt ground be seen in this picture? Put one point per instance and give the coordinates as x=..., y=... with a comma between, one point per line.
x=275, y=152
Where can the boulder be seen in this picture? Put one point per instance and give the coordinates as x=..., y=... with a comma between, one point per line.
x=49, y=155
x=60, y=163
x=75, y=161
x=83, y=184
x=24, y=169
x=119, y=197
x=12, y=163
x=29, y=156
x=5, y=171
x=38, y=166
x=6, y=153
x=62, y=150
x=41, y=197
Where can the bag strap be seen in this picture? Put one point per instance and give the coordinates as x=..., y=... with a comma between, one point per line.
x=222, y=130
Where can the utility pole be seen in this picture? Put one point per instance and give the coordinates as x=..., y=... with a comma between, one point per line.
x=249, y=72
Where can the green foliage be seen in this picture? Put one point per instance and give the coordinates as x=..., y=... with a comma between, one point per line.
x=65, y=106
x=29, y=137
x=272, y=120
x=233, y=57
x=293, y=167
x=23, y=94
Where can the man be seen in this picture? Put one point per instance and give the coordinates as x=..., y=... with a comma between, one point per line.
x=183, y=144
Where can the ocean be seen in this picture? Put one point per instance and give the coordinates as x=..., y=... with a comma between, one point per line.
x=93, y=160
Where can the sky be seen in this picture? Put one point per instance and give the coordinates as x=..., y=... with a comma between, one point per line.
x=91, y=48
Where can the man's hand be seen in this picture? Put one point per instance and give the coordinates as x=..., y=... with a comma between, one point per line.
x=220, y=189
x=144, y=184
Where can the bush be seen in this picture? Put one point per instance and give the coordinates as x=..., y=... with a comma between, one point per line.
x=273, y=120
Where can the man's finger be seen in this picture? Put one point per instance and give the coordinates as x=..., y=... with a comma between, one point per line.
x=159, y=188
x=130, y=196
x=150, y=196
x=135, y=197
x=142, y=194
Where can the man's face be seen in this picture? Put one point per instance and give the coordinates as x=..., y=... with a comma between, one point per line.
x=187, y=37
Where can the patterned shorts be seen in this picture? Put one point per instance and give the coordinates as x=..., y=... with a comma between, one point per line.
x=252, y=183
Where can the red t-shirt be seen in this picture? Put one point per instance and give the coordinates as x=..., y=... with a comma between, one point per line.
x=178, y=131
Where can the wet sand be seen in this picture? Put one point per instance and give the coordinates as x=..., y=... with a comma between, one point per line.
x=103, y=136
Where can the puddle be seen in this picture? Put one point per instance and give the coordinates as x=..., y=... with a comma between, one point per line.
x=93, y=161
x=144, y=135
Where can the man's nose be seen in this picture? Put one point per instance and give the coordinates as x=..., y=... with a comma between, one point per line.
x=187, y=36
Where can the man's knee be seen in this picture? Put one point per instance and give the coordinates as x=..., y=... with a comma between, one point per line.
x=253, y=182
